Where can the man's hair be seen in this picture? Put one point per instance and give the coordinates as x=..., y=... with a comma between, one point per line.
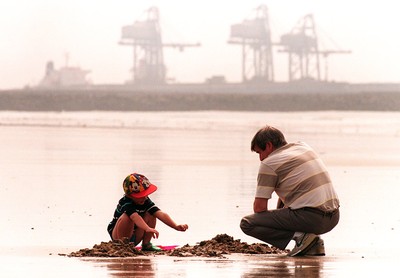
x=268, y=134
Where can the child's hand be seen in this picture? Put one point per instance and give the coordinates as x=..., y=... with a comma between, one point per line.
x=153, y=231
x=181, y=228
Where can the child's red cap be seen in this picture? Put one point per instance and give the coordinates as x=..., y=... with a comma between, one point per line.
x=137, y=186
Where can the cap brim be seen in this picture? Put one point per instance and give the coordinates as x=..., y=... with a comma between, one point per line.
x=144, y=193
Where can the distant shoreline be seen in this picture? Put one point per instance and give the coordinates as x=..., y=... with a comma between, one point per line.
x=119, y=99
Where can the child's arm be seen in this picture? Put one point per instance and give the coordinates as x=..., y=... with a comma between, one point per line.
x=165, y=218
x=138, y=220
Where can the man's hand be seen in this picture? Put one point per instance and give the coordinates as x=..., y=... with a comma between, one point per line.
x=260, y=205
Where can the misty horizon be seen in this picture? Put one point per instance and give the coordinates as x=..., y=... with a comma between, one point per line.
x=51, y=31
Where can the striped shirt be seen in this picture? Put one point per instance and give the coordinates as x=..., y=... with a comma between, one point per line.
x=299, y=178
x=126, y=205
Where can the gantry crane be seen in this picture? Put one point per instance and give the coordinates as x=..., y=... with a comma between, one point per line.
x=326, y=53
x=145, y=37
x=254, y=35
x=304, y=54
x=302, y=45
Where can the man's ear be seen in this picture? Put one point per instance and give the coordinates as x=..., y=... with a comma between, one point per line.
x=269, y=146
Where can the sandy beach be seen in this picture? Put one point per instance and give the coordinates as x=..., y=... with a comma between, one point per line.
x=62, y=173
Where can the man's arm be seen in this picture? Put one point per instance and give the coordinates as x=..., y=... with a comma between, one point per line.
x=279, y=204
x=260, y=205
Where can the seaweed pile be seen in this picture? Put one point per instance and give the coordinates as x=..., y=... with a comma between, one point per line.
x=115, y=248
x=218, y=246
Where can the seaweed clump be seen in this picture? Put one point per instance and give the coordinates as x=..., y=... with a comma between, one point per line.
x=218, y=246
x=114, y=248
x=221, y=245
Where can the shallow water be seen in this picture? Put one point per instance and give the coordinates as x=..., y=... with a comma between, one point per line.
x=62, y=173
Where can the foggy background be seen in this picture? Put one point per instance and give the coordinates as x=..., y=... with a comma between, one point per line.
x=37, y=31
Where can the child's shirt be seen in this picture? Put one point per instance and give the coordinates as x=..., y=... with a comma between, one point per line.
x=126, y=205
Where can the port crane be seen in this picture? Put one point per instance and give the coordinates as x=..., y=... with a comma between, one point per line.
x=304, y=53
x=254, y=35
x=148, y=58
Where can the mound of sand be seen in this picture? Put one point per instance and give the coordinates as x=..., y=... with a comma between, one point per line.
x=218, y=246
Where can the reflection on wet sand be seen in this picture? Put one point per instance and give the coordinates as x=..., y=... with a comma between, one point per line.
x=129, y=267
x=286, y=267
x=234, y=266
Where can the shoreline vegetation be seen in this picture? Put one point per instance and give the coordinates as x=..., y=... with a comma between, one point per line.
x=187, y=99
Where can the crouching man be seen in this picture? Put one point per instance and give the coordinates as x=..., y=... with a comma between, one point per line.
x=308, y=205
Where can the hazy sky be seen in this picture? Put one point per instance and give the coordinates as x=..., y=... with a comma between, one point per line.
x=36, y=31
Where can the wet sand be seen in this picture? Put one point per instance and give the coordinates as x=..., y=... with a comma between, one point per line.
x=66, y=169
x=236, y=265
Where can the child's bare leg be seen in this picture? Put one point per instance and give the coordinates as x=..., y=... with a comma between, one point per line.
x=123, y=228
x=140, y=234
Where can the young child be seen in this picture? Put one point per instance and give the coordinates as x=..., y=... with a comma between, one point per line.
x=136, y=215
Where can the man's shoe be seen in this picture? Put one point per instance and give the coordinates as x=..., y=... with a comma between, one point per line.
x=150, y=247
x=303, y=244
x=317, y=249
